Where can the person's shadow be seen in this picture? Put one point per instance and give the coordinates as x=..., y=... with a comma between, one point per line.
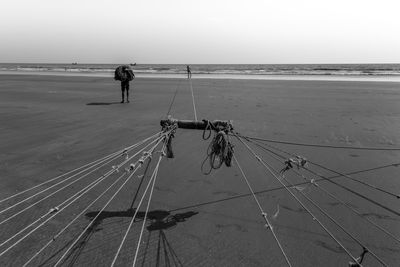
x=102, y=103
x=159, y=220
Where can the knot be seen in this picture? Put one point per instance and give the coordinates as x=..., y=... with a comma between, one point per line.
x=301, y=161
x=298, y=161
x=359, y=259
x=132, y=166
x=258, y=158
x=116, y=168
x=54, y=210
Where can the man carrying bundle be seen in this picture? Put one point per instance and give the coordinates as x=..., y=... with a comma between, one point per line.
x=125, y=75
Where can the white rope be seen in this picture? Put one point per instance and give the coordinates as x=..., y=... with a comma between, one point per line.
x=132, y=220
x=30, y=206
x=297, y=199
x=65, y=180
x=194, y=105
x=51, y=217
x=84, y=166
x=310, y=182
x=46, y=197
x=87, y=188
x=264, y=214
x=147, y=208
x=108, y=202
x=71, y=222
x=58, y=206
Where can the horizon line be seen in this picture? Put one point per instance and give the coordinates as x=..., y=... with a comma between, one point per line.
x=86, y=63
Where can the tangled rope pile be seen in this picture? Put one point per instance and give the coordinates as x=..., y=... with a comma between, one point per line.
x=220, y=150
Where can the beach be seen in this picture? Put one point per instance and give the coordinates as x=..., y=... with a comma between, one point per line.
x=52, y=124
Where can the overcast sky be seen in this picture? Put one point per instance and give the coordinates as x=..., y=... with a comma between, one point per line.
x=202, y=31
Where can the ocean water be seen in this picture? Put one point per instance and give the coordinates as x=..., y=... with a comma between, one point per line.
x=363, y=70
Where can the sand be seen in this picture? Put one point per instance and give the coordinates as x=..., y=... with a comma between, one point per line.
x=53, y=124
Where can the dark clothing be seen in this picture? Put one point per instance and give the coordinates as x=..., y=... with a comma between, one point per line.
x=189, y=72
x=125, y=87
x=125, y=75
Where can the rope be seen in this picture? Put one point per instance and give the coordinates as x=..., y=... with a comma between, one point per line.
x=55, y=192
x=194, y=106
x=340, y=174
x=116, y=169
x=88, y=164
x=71, y=198
x=219, y=151
x=356, y=193
x=337, y=224
x=108, y=202
x=297, y=199
x=314, y=182
x=57, y=207
x=358, y=181
x=331, y=218
x=71, y=222
x=132, y=220
x=342, y=186
x=325, y=146
x=148, y=203
x=65, y=180
x=264, y=214
x=112, y=157
x=173, y=98
x=51, y=217
x=141, y=181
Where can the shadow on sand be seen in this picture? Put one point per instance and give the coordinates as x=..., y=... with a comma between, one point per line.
x=160, y=220
x=102, y=103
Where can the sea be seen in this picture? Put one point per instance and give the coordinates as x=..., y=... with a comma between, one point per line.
x=247, y=71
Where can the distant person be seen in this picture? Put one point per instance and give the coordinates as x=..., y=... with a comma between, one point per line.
x=189, y=71
x=125, y=75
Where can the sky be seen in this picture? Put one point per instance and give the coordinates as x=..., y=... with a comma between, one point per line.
x=200, y=32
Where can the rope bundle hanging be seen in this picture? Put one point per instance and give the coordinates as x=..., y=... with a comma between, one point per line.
x=169, y=126
x=220, y=150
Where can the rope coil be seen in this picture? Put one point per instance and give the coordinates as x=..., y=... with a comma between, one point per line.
x=219, y=152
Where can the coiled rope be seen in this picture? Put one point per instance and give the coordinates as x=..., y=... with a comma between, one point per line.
x=220, y=150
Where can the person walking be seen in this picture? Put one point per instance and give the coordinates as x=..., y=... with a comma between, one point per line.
x=189, y=71
x=125, y=88
x=125, y=75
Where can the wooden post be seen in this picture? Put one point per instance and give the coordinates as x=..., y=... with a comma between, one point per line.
x=197, y=125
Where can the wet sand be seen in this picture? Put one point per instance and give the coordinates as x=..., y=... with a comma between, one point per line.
x=52, y=124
